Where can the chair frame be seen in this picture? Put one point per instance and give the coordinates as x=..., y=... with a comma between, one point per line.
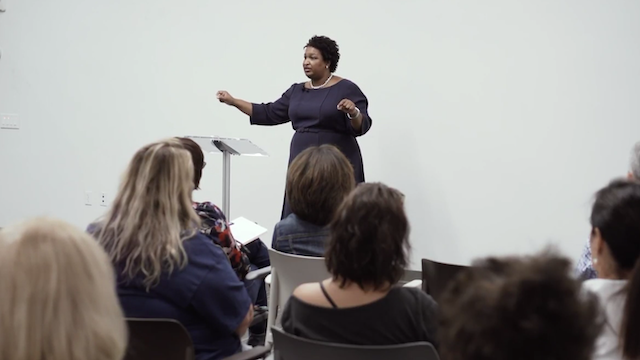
x=316, y=350
x=258, y=352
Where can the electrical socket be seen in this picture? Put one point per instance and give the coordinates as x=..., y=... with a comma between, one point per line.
x=103, y=199
x=9, y=121
x=88, y=198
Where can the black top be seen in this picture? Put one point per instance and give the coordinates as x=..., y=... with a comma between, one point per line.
x=405, y=315
x=315, y=109
x=314, y=115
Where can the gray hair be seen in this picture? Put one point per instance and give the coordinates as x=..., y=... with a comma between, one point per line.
x=635, y=161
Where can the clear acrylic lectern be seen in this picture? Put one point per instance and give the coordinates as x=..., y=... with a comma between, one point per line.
x=228, y=147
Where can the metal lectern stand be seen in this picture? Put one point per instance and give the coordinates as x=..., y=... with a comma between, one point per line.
x=228, y=147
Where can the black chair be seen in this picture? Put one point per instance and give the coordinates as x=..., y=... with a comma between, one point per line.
x=161, y=339
x=437, y=276
x=290, y=347
x=167, y=339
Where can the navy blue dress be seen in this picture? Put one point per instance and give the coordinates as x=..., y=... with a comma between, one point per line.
x=316, y=119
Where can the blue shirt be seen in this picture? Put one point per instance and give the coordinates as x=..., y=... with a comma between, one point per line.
x=295, y=236
x=206, y=296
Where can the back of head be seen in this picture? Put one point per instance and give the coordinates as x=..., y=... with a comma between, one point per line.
x=369, y=241
x=518, y=308
x=152, y=213
x=319, y=178
x=197, y=157
x=616, y=215
x=58, y=295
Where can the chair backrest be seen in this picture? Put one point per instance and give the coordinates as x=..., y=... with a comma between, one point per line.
x=437, y=276
x=287, y=272
x=290, y=347
x=158, y=339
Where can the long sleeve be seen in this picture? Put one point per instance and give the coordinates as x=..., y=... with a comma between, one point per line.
x=215, y=226
x=221, y=299
x=430, y=315
x=362, y=103
x=273, y=113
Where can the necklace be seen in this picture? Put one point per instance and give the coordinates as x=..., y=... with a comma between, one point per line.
x=320, y=86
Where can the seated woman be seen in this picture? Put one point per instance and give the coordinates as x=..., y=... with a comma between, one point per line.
x=243, y=258
x=527, y=308
x=615, y=246
x=166, y=268
x=58, y=295
x=318, y=180
x=361, y=303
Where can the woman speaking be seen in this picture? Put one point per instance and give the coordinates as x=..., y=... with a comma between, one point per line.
x=327, y=109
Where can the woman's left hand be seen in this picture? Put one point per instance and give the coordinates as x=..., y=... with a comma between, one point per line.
x=348, y=107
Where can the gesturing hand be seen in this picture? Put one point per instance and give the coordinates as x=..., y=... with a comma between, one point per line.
x=348, y=107
x=225, y=97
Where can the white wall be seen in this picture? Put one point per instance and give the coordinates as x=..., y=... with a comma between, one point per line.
x=498, y=119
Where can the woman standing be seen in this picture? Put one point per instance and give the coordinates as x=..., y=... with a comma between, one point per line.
x=327, y=109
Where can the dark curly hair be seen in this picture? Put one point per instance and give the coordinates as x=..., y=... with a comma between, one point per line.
x=328, y=49
x=369, y=241
x=518, y=308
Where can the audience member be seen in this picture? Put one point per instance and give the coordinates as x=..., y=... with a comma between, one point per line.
x=58, y=295
x=166, y=268
x=615, y=244
x=518, y=308
x=243, y=258
x=318, y=180
x=584, y=268
x=367, y=254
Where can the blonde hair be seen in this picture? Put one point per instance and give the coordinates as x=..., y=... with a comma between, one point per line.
x=58, y=295
x=152, y=213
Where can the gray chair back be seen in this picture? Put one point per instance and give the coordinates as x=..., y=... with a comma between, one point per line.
x=158, y=339
x=287, y=273
x=289, y=347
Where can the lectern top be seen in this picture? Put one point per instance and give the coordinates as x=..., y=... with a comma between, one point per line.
x=235, y=146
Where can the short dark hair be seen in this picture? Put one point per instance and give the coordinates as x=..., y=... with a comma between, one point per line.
x=197, y=156
x=616, y=214
x=328, y=49
x=369, y=238
x=318, y=180
x=518, y=308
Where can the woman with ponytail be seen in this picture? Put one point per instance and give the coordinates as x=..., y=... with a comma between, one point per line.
x=615, y=244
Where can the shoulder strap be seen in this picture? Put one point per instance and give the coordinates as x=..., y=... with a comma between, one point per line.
x=324, y=291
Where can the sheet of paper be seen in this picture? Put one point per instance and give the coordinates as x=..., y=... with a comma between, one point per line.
x=245, y=230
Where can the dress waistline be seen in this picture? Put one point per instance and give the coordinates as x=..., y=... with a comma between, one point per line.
x=313, y=130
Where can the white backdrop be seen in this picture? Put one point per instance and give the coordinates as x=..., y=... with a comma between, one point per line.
x=498, y=119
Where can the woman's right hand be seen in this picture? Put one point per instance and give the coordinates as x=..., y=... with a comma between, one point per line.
x=225, y=97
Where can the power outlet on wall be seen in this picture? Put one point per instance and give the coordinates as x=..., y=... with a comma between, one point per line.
x=88, y=198
x=103, y=199
x=9, y=121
